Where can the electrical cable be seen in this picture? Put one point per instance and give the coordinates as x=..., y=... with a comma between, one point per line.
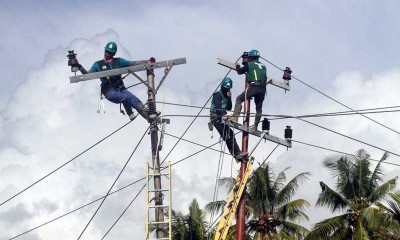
x=219, y=170
x=336, y=151
x=333, y=98
x=194, y=143
x=354, y=139
x=36, y=182
x=126, y=209
x=123, y=168
x=183, y=134
x=76, y=209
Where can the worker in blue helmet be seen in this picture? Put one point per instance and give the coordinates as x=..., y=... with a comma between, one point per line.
x=113, y=87
x=256, y=76
x=220, y=103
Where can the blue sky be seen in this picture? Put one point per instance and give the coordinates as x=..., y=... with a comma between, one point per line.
x=348, y=49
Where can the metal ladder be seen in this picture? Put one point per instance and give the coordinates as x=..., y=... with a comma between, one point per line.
x=149, y=206
x=232, y=203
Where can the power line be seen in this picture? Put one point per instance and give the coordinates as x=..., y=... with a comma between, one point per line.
x=61, y=216
x=354, y=139
x=336, y=151
x=333, y=98
x=123, y=168
x=141, y=179
x=183, y=134
x=126, y=209
x=36, y=182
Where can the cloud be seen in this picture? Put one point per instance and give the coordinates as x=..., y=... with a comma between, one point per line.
x=47, y=121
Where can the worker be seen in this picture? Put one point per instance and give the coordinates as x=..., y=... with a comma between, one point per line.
x=256, y=76
x=220, y=103
x=113, y=87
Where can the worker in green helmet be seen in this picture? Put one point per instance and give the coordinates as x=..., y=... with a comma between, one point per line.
x=256, y=76
x=220, y=103
x=113, y=87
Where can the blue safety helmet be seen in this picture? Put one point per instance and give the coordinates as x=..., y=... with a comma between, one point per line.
x=111, y=47
x=227, y=83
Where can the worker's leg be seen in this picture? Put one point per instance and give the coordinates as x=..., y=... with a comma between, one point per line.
x=228, y=136
x=259, y=97
x=238, y=107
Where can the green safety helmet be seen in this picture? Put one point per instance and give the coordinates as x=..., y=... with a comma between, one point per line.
x=111, y=47
x=254, y=53
x=227, y=83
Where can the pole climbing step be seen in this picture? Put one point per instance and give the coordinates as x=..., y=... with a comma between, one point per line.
x=232, y=203
x=167, y=223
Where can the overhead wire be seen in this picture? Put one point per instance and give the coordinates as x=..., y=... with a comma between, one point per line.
x=115, y=181
x=126, y=209
x=58, y=168
x=76, y=209
x=344, y=153
x=141, y=179
x=342, y=104
x=183, y=134
x=354, y=139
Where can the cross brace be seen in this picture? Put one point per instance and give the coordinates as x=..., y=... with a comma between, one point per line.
x=284, y=142
x=136, y=68
x=274, y=82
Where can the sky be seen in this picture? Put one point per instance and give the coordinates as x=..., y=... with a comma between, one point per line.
x=345, y=49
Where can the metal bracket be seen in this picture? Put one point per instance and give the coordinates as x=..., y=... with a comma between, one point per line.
x=260, y=134
x=141, y=80
x=163, y=78
x=119, y=71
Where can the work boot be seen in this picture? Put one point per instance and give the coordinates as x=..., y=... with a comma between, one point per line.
x=144, y=112
x=236, y=113
x=132, y=116
x=256, y=122
x=241, y=157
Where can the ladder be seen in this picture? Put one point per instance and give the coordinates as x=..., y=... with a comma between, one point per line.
x=151, y=207
x=232, y=203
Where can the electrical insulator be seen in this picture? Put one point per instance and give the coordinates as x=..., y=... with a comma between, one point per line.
x=266, y=125
x=288, y=133
x=152, y=107
x=286, y=75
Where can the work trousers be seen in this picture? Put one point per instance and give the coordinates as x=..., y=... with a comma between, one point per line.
x=256, y=91
x=125, y=97
x=228, y=136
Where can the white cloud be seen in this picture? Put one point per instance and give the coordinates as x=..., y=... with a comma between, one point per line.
x=47, y=120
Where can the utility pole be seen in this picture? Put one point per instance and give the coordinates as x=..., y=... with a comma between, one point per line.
x=153, y=119
x=158, y=198
x=241, y=211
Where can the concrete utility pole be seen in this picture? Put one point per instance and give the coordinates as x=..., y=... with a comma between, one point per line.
x=158, y=198
x=241, y=211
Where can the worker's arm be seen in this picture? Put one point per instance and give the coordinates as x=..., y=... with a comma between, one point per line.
x=241, y=70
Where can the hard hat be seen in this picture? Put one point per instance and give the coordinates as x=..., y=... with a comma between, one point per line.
x=254, y=53
x=111, y=47
x=227, y=83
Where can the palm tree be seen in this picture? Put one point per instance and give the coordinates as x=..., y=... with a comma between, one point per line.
x=358, y=190
x=271, y=212
x=191, y=226
x=390, y=226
